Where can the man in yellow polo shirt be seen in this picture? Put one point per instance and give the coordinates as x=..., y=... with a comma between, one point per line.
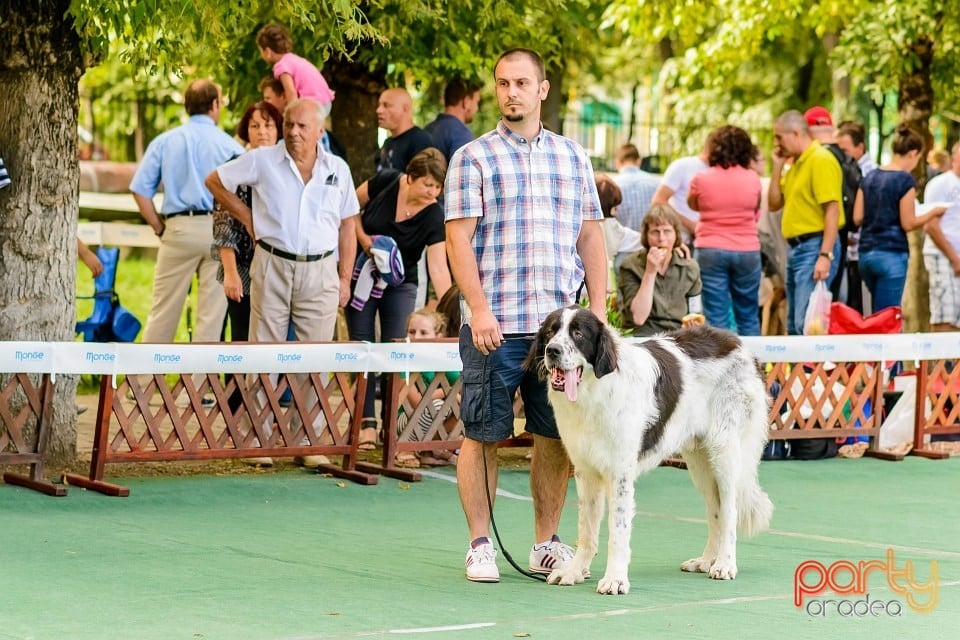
x=810, y=193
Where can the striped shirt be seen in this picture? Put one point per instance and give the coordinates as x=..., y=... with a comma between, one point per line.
x=531, y=198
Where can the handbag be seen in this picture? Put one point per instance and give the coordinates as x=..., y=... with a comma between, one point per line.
x=847, y=321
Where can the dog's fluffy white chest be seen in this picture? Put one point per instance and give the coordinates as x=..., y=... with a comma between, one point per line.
x=611, y=442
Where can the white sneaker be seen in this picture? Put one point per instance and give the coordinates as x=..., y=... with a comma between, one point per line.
x=548, y=556
x=482, y=563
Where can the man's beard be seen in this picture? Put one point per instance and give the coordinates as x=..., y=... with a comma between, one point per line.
x=513, y=117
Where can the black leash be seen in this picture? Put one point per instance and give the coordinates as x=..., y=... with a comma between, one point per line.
x=486, y=488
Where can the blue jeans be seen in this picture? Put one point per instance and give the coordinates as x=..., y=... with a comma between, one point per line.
x=731, y=278
x=885, y=274
x=394, y=308
x=801, y=260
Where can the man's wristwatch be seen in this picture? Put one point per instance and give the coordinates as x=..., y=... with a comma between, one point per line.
x=827, y=254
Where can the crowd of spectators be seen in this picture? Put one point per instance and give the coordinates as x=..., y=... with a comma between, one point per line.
x=507, y=227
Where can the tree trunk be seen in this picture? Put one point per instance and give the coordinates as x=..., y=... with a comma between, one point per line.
x=552, y=111
x=915, y=103
x=634, y=100
x=839, y=82
x=40, y=66
x=354, y=114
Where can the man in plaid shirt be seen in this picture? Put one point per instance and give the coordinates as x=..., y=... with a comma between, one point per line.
x=523, y=236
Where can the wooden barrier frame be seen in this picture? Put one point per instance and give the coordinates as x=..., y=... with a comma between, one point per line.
x=852, y=409
x=260, y=426
x=36, y=409
x=835, y=398
x=813, y=386
x=944, y=415
x=446, y=428
x=815, y=400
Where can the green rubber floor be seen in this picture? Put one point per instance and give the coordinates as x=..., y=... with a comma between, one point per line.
x=296, y=555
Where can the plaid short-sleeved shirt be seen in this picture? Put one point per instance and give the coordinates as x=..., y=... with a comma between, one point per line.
x=531, y=198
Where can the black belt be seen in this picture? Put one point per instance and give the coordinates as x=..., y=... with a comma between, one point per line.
x=795, y=240
x=188, y=212
x=286, y=255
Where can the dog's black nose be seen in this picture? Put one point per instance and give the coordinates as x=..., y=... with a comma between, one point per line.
x=552, y=351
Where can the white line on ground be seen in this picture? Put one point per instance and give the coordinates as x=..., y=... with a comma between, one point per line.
x=452, y=627
x=940, y=553
x=568, y=617
x=937, y=553
x=453, y=479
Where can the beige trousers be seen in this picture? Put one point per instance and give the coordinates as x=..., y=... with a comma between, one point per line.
x=304, y=293
x=185, y=250
x=284, y=291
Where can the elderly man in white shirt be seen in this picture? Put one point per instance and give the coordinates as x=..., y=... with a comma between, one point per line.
x=304, y=208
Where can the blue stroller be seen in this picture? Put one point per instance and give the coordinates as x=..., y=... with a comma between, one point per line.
x=109, y=322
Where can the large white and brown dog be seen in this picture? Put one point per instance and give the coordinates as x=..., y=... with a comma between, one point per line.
x=621, y=408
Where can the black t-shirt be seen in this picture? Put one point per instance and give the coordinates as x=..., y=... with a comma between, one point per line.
x=412, y=235
x=397, y=152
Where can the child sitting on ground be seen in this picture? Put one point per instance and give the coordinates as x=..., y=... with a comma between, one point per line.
x=300, y=78
x=424, y=324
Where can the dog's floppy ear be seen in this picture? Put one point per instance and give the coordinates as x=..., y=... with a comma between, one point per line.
x=606, y=360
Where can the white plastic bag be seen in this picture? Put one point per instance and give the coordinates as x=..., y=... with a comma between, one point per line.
x=897, y=428
x=817, y=320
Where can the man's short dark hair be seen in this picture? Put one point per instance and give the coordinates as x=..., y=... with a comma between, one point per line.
x=459, y=89
x=856, y=131
x=199, y=97
x=272, y=83
x=628, y=153
x=531, y=55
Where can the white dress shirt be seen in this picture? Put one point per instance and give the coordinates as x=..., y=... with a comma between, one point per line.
x=287, y=214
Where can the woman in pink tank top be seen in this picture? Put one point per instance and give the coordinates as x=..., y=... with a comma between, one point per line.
x=727, y=195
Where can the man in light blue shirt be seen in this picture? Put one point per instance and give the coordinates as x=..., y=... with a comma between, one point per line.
x=636, y=185
x=180, y=160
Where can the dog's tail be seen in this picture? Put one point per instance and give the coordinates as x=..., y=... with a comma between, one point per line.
x=755, y=509
x=753, y=504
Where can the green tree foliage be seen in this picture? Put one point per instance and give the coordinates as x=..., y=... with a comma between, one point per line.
x=728, y=62
x=744, y=61
x=173, y=34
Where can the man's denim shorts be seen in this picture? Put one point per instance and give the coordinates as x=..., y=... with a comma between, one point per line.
x=489, y=385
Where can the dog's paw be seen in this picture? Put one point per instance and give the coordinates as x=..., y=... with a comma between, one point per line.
x=567, y=575
x=697, y=565
x=723, y=569
x=612, y=585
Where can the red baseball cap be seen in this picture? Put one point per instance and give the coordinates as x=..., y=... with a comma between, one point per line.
x=818, y=117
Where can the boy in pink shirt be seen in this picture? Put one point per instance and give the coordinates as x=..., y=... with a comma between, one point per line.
x=300, y=78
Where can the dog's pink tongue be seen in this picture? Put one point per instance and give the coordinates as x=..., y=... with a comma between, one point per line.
x=571, y=380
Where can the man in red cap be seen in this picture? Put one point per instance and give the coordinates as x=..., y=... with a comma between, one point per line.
x=810, y=195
